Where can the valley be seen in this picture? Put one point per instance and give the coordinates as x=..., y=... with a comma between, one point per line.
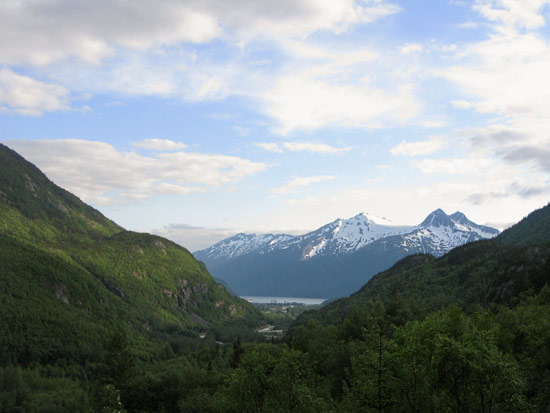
x=274, y=206
x=97, y=318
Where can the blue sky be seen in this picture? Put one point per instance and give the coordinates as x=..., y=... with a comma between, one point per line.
x=199, y=119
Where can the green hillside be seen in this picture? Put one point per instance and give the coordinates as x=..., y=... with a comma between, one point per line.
x=35, y=209
x=71, y=279
x=467, y=332
x=533, y=229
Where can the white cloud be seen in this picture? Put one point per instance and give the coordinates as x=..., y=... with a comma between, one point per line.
x=101, y=174
x=315, y=98
x=468, y=25
x=144, y=48
x=461, y=104
x=488, y=198
x=269, y=146
x=192, y=237
x=508, y=76
x=505, y=75
x=411, y=48
x=41, y=32
x=160, y=144
x=27, y=96
x=300, y=182
x=455, y=166
x=434, y=124
x=417, y=148
x=511, y=14
x=312, y=147
x=285, y=18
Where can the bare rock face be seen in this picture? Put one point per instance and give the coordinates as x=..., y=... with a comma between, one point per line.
x=199, y=320
x=202, y=287
x=186, y=292
x=31, y=186
x=161, y=246
x=115, y=290
x=62, y=294
x=62, y=208
x=189, y=292
x=168, y=293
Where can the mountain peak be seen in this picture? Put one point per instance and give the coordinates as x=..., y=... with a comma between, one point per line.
x=437, y=218
x=370, y=218
x=459, y=217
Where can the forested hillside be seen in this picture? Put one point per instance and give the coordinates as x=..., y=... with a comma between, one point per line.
x=72, y=279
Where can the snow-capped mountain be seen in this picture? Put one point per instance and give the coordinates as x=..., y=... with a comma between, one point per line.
x=439, y=233
x=240, y=244
x=436, y=235
x=343, y=236
x=335, y=259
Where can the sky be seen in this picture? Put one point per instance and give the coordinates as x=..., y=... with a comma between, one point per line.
x=199, y=119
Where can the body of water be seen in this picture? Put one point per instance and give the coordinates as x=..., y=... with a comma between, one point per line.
x=282, y=300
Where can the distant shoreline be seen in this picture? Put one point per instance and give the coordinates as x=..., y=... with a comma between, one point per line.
x=282, y=300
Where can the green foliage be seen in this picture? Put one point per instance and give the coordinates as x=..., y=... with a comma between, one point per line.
x=40, y=390
x=452, y=362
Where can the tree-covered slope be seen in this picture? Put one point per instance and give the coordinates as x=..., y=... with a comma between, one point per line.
x=533, y=229
x=71, y=277
x=34, y=208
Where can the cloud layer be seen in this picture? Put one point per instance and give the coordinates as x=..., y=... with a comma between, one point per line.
x=299, y=78
x=163, y=48
x=101, y=174
x=93, y=30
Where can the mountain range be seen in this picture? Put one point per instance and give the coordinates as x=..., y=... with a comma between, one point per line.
x=336, y=259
